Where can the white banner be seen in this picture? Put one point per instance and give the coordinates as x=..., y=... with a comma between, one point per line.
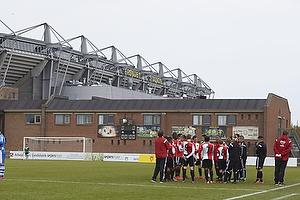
x=270, y=161
x=121, y=157
x=251, y=160
x=249, y=132
x=41, y=155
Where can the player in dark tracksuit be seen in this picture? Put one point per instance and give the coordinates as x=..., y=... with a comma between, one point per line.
x=244, y=154
x=234, y=159
x=261, y=151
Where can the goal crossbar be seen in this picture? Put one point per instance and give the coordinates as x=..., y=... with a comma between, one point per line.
x=58, y=144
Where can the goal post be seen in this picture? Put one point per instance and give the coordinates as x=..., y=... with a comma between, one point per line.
x=58, y=148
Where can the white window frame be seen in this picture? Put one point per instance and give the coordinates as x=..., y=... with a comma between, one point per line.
x=197, y=119
x=222, y=120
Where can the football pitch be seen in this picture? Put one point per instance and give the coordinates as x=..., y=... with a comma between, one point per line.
x=36, y=179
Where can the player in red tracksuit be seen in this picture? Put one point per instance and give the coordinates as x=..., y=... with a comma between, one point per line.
x=178, y=156
x=170, y=161
x=161, y=153
x=207, y=150
x=282, y=148
x=188, y=156
x=216, y=146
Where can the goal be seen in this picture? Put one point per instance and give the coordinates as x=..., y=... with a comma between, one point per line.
x=58, y=148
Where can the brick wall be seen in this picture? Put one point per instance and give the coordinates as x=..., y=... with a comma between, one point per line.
x=9, y=93
x=266, y=120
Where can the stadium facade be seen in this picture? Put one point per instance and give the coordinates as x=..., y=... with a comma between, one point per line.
x=51, y=89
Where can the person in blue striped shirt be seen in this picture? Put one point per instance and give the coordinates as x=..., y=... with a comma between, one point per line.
x=2, y=155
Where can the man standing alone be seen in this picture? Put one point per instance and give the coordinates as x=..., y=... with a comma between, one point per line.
x=261, y=151
x=282, y=148
x=161, y=153
x=2, y=155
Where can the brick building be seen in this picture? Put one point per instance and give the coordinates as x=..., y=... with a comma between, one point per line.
x=130, y=126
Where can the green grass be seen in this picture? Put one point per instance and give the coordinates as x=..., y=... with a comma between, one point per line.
x=34, y=179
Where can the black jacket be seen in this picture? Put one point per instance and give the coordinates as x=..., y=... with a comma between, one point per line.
x=261, y=150
x=234, y=151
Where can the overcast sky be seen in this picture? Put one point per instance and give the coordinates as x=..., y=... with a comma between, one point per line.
x=240, y=48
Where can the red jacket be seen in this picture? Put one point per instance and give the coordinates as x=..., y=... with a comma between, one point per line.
x=161, y=147
x=282, y=146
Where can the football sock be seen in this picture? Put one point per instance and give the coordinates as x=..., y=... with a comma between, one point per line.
x=2, y=168
x=184, y=173
x=206, y=174
x=177, y=170
x=200, y=171
x=192, y=175
x=211, y=174
x=172, y=173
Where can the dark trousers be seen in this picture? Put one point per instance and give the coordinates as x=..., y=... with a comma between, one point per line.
x=243, y=168
x=160, y=167
x=232, y=166
x=280, y=166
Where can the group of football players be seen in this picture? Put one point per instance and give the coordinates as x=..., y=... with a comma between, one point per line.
x=227, y=156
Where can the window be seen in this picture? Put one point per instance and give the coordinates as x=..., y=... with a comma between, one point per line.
x=148, y=119
x=33, y=119
x=102, y=119
x=62, y=119
x=156, y=119
x=249, y=116
x=151, y=119
x=84, y=119
x=221, y=120
x=242, y=117
x=206, y=119
x=106, y=119
x=197, y=120
x=256, y=116
x=231, y=119
x=110, y=119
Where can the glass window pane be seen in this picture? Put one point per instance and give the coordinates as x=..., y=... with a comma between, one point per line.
x=100, y=119
x=221, y=120
x=197, y=120
x=37, y=118
x=231, y=120
x=80, y=119
x=148, y=119
x=67, y=119
x=156, y=119
x=29, y=119
x=110, y=119
x=206, y=119
x=88, y=119
x=59, y=119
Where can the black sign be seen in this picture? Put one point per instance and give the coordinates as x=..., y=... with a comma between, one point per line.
x=128, y=133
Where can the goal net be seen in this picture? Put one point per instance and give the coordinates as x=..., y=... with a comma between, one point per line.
x=58, y=148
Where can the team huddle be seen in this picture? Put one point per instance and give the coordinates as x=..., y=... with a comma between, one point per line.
x=174, y=154
x=184, y=150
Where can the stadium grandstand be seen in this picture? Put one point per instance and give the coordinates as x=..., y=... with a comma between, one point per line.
x=51, y=65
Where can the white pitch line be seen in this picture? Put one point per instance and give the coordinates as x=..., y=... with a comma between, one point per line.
x=283, y=197
x=158, y=185
x=264, y=191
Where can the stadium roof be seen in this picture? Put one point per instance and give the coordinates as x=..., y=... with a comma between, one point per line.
x=135, y=105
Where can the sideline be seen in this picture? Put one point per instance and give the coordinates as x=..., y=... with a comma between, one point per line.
x=264, y=191
x=283, y=197
x=156, y=185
